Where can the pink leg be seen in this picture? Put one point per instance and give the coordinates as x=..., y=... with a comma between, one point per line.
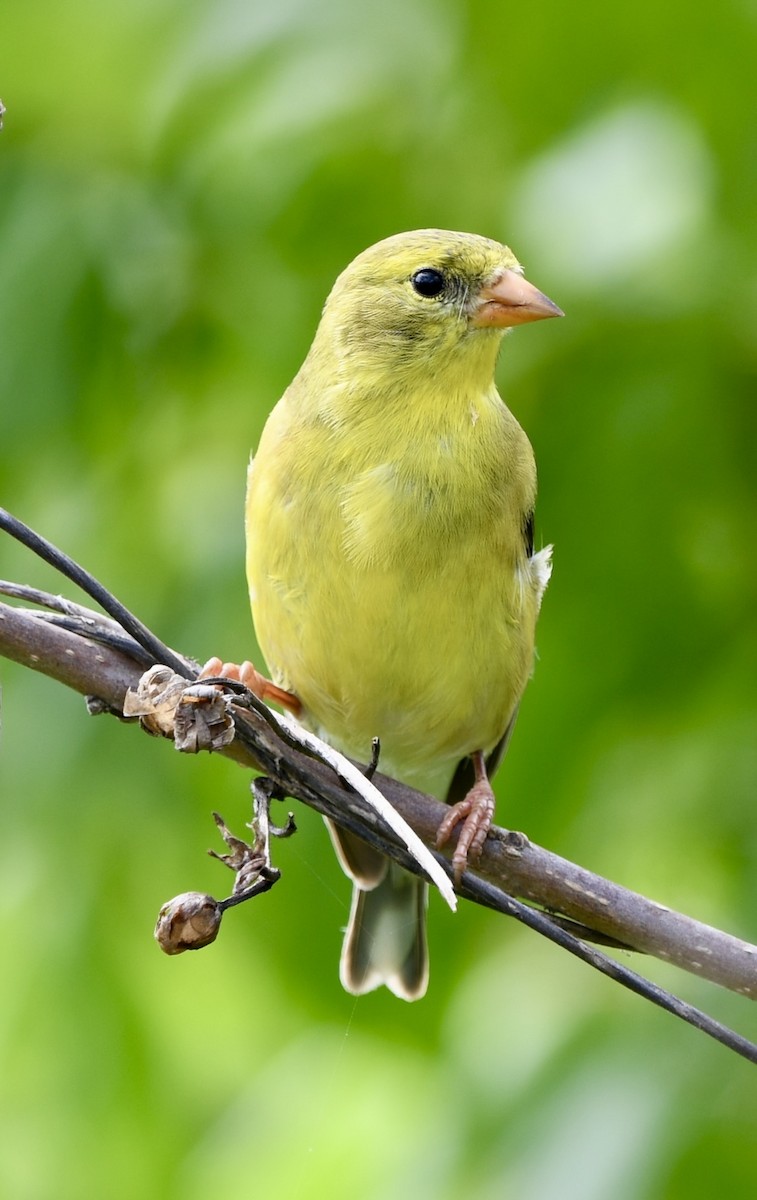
x=263, y=688
x=475, y=811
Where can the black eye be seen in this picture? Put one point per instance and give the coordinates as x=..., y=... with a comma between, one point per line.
x=428, y=282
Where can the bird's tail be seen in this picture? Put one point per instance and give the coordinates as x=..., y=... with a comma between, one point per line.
x=385, y=940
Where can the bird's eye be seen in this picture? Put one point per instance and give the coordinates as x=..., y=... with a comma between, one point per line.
x=428, y=282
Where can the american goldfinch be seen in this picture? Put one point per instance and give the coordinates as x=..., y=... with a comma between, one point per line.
x=392, y=576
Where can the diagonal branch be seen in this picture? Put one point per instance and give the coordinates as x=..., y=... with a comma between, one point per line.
x=509, y=860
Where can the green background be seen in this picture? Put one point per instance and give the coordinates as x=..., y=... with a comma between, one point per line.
x=180, y=183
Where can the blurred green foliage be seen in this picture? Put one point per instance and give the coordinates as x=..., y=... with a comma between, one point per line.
x=180, y=183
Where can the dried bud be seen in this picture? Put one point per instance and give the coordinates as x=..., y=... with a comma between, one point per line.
x=155, y=699
x=203, y=720
x=188, y=922
x=196, y=715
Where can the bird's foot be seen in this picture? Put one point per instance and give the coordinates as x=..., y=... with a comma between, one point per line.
x=475, y=811
x=258, y=684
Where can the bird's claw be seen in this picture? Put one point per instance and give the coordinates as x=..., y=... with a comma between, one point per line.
x=252, y=679
x=476, y=811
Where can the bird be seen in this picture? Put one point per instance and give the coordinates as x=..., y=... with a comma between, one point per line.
x=391, y=567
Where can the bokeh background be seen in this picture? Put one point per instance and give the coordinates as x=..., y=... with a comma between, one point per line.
x=180, y=183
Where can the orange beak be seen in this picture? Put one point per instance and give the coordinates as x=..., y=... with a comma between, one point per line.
x=512, y=300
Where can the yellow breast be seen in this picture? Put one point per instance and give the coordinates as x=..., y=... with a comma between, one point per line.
x=389, y=579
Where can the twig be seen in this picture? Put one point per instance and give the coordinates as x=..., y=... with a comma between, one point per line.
x=498, y=900
x=82, y=578
x=192, y=920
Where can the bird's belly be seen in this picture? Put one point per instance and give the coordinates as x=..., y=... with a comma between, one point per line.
x=394, y=598
x=430, y=658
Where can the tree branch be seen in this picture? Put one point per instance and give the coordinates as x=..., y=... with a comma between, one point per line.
x=509, y=861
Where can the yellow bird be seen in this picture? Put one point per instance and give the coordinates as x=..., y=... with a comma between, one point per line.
x=390, y=560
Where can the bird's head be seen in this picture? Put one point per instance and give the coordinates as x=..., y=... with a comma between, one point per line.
x=427, y=299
